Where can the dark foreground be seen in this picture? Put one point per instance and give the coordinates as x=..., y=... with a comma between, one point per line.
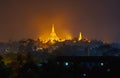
x=68, y=67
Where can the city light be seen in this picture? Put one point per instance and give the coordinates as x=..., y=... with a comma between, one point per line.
x=66, y=63
x=108, y=70
x=102, y=64
x=84, y=74
x=40, y=65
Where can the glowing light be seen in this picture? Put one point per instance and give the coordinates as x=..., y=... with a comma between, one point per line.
x=40, y=65
x=66, y=63
x=101, y=64
x=84, y=74
x=53, y=37
x=80, y=36
x=108, y=70
x=40, y=48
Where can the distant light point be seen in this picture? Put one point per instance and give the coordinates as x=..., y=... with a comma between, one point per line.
x=66, y=63
x=102, y=64
x=84, y=74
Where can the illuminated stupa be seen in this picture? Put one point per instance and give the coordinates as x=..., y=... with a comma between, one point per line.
x=80, y=37
x=53, y=37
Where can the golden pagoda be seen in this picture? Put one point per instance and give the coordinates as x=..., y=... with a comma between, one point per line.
x=53, y=37
x=80, y=37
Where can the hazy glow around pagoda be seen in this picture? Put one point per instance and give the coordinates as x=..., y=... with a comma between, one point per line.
x=53, y=36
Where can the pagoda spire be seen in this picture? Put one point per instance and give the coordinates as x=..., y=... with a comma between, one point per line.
x=53, y=37
x=53, y=29
x=80, y=36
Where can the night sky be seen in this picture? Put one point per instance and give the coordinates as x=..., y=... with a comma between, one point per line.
x=96, y=19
